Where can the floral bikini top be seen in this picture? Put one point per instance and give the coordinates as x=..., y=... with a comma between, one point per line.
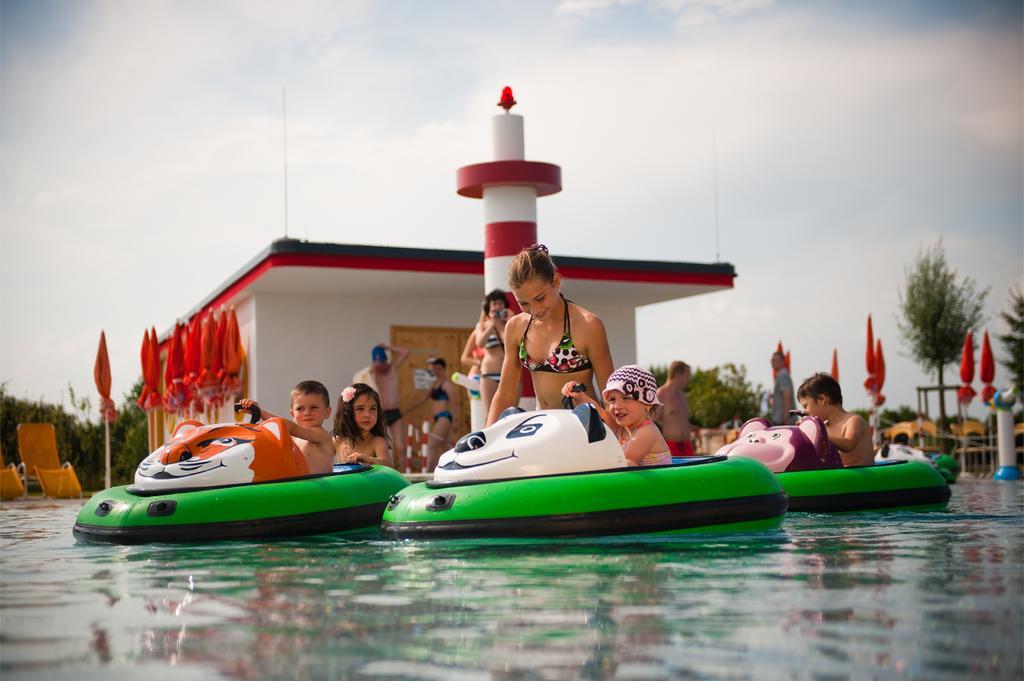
x=564, y=360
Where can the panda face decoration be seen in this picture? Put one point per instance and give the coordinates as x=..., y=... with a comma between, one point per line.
x=527, y=444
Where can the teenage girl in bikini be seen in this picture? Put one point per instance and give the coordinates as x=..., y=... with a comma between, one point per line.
x=630, y=394
x=443, y=407
x=489, y=337
x=556, y=339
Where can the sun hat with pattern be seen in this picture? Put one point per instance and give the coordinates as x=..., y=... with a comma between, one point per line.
x=634, y=382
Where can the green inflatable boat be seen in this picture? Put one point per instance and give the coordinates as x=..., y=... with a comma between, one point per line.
x=559, y=473
x=351, y=499
x=893, y=485
x=235, y=481
x=810, y=470
x=709, y=494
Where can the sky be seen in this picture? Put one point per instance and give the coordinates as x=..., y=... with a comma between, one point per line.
x=142, y=159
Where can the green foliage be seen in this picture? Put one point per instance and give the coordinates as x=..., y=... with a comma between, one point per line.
x=718, y=394
x=887, y=417
x=937, y=311
x=79, y=440
x=1013, y=342
x=660, y=372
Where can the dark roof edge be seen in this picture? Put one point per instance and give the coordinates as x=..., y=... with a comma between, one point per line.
x=316, y=248
x=295, y=246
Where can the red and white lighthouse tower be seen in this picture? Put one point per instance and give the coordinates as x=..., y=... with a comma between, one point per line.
x=509, y=186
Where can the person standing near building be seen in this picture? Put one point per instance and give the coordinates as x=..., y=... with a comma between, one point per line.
x=783, y=396
x=385, y=376
x=674, y=415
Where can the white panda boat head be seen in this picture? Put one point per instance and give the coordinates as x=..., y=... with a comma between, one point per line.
x=523, y=444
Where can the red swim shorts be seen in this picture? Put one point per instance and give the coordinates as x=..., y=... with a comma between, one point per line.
x=680, y=448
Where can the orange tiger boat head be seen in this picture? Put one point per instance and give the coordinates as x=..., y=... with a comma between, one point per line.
x=198, y=455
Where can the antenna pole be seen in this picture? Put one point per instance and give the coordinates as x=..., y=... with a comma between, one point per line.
x=714, y=154
x=284, y=128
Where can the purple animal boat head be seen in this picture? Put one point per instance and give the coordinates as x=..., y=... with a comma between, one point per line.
x=784, y=449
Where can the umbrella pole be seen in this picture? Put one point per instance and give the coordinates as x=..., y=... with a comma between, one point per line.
x=106, y=450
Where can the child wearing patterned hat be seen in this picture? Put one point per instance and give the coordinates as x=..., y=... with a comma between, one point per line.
x=631, y=393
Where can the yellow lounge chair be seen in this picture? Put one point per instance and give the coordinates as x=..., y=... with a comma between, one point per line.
x=37, y=445
x=969, y=428
x=10, y=482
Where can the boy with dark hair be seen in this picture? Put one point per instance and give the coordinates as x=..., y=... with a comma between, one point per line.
x=821, y=396
x=309, y=406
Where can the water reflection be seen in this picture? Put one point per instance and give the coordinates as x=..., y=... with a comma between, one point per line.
x=932, y=596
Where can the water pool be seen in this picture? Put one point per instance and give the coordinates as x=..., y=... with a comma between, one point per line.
x=862, y=596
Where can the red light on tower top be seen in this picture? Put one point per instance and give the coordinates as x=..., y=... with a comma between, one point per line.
x=507, y=100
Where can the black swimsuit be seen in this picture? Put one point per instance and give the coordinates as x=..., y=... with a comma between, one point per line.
x=565, y=359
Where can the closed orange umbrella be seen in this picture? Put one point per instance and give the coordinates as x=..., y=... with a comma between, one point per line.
x=193, y=360
x=174, y=373
x=109, y=413
x=217, y=358
x=232, y=357
x=835, y=364
x=207, y=382
x=101, y=374
x=149, y=398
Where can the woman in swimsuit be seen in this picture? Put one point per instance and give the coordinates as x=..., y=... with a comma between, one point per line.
x=489, y=337
x=554, y=338
x=443, y=408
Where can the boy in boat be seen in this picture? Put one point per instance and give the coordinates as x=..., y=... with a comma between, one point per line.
x=821, y=396
x=309, y=406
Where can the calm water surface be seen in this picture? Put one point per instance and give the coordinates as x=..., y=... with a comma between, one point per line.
x=865, y=596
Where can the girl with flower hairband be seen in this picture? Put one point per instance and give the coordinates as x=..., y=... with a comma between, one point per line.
x=360, y=435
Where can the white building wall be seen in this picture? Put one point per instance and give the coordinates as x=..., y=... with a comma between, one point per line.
x=328, y=337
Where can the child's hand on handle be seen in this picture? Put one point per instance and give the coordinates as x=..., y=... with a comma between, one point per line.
x=574, y=392
x=250, y=406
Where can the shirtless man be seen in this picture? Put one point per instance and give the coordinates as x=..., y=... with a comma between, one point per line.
x=385, y=375
x=820, y=396
x=674, y=415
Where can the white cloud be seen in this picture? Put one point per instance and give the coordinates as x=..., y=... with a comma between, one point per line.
x=143, y=162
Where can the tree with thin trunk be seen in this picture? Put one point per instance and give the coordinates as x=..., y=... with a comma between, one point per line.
x=1013, y=341
x=936, y=311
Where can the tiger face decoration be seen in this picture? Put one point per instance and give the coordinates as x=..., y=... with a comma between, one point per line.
x=200, y=455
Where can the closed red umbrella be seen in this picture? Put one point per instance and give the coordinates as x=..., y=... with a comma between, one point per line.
x=966, y=393
x=879, y=373
x=174, y=373
x=193, y=361
x=986, y=370
x=835, y=364
x=787, y=363
x=217, y=359
x=869, y=361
